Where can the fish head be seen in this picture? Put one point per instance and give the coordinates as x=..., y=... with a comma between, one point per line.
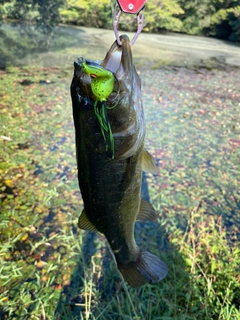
x=118, y=62
x=119, y=58
x=127, y=117
x=123, y=99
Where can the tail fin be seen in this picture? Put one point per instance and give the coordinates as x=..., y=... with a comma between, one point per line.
x=147, y=268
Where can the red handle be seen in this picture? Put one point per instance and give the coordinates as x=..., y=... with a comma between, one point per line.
x=131, y=6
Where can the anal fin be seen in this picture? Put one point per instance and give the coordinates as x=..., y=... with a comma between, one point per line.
x=146, y=212
x=148, y=268
x=148, y=163
x=84, y=223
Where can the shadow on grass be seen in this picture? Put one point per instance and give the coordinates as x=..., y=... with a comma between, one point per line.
x=96, y=290
x=73, y=294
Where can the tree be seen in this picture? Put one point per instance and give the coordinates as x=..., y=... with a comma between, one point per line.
x=234, y=21
x=163, y=14
x=225, y=23
x=211, y=17
x=94, y=13
x=44, y=14
x=98, y=13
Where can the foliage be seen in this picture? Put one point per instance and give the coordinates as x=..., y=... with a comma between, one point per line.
x=162, y=15
x=234, y=22
x=44, y=14
x=216, y=18
x=225, y=23
x=88, y=13
x=219, y=18
x=159, y=15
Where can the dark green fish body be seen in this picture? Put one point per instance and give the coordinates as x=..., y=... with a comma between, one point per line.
x=111, y=187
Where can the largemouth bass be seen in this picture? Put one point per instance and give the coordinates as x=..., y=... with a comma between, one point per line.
x=111, y=184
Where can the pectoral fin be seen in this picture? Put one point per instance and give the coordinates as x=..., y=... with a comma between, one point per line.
x=84, y=223
x=148, y=163
x=146, y=212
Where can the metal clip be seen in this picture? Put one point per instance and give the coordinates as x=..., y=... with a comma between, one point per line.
x=116, y=17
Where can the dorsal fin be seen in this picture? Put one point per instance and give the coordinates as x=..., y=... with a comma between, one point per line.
x=84, y=223
x=146, y=212
x=148, y=163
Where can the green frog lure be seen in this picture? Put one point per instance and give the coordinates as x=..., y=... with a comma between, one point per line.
x=102, y=84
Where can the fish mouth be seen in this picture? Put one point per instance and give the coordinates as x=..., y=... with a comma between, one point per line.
x=78, y=71
x=118, y=60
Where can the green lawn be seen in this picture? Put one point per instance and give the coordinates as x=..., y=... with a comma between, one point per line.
x=52, y=270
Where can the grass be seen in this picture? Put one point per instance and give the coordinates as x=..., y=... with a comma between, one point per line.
x=52, y=270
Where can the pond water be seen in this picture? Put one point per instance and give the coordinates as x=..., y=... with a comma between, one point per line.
x=191, y=96
x=18, y=46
